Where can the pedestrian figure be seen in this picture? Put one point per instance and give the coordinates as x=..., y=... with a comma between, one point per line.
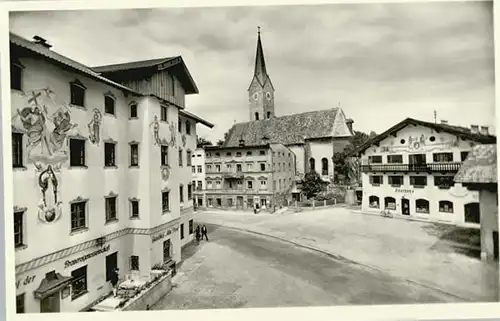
x=198, y=234
x=114, y=280
x=204, y=232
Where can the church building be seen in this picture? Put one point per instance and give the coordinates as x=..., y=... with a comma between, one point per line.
x=313, y=136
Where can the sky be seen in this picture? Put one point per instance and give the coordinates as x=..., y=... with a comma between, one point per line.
x=380, y=62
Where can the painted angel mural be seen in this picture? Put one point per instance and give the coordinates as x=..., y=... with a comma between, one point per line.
x=95, y=127
x=156, y=130
x=50, y=205
x=173, y=134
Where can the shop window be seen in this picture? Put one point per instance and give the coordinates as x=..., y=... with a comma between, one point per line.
x=422, y=206
x=133, y=110
x=442, y=157
x=376, y=159
x=17, y=150
x=77, y=93
x=395, y=159
x=445, y=207
x=134, y=263
x=191, y=227
x=20, y=303
x=390, y=203
x=109, y=155
x=19, y=229
x=134, y=155
x=395, y=181
x=182, y=231
x=134, y=209
x=163, y=113
x=109, y=105
x=79, y=283
x=374, y=202
x=472, y=213
x=78, y=216
x=77, y=152
x=111, y=209
x=165, y=202
x=418, y=181
x=164, y=155
x=376, y=180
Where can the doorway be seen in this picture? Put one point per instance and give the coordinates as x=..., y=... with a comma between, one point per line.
x=50, y=303
x=166, y=251
x=495, y=245
x=405, y=205
x=111, y=265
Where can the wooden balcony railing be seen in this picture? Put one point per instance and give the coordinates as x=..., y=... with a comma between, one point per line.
x=429, y=167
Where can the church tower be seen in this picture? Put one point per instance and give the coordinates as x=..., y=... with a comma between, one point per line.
x=261, y=90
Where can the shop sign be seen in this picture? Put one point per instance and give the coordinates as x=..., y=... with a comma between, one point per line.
x=84, y=258
x=159, y=236
x=29, y=279
x=404, y=190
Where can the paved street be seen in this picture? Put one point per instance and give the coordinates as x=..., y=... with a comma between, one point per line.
x=411, y=250
x=238, y=269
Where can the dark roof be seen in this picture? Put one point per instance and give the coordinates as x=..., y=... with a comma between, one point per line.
x=196, y=118
x=286, y=130
x=212, y=148
x=38, y=49
x=455, y=130
x=480, y=167
x=175, y=64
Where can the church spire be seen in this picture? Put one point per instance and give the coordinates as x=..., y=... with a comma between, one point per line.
x=260, y=64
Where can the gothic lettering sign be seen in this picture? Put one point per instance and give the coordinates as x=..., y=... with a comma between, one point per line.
x=29, y=279
x=159, y=236
x=84, y=258
x=404, y=190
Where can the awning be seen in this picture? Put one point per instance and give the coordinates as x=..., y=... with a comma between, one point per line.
x=52, y=283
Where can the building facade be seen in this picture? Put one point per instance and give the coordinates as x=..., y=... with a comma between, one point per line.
x=313, y=136
x=97, y=173
x=199, y=183
x=409, y=171
x=248, y=177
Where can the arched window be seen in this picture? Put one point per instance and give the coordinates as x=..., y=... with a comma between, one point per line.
x=374, y=202
x=324, y=166
x=256, y=116
x=312, y=164
x=268, y=114
x=390, y=203
x=472, y=213
x=422, y=206
x=445, y=206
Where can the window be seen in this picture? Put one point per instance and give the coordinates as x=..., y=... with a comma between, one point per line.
x=262, y=167
x=472, y=213
x=324, y=166
x=164, y=155
x=179, y=124
x=217, y=184
x=111, y=209
x=396, y=180
x=256, y=116
x=109, y=105
x=172, y=84
x=188, y=128
x=209, y=155
x=190, y=192
x=376, y=180
x=163, y=113
x=78, y=216
x=200, y=185
x=262, y=152
x=229, y=166
x=134, y=155
x=180, y=157
x=395, y=159
x=250, y=184
x=422, y=206
x=77, y=152
x=417, y=159
x=268, y=114
x=17, y=150
x=165, y=201
x=217, y=168
x=249, y=167
x=16, y=72
x=377, y=159
x=445, y=207
x=210, y=202
x=444, y=182
x=312, y=164
x=238, y=168
x=209, y=168
x=79, y=283
x=374, y=202
x=20, y=303
x=133, y=111
x=134, y=209
x=199, y=168
x=263, y=183
x=77, y=92
x=193, y=169
x=390, y=203
x=182, y=231
x=217, y=154
x=463, y=156
x=181, y=193
x=191, y=226
x=228, y=154
x=442, y=157
x=188, y=158
x=134, y=263
x=417, y=181
x=166, y=251
x=249, y=153
x=238, y=154
x=109, y=155
x=18, y=229
x=218, y=201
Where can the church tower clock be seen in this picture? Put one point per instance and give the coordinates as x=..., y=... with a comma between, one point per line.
x=261, y=90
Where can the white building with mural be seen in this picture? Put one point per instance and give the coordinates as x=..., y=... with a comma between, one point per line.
x=409, y=171
x=101, y=160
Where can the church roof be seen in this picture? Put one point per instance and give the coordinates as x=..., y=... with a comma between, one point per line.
x=260, y=71
x=480, y=167
x=289, y=129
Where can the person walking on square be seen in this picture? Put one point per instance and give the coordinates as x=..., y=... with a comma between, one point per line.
x=198, y=234
x=114, y=281
x=204, y=232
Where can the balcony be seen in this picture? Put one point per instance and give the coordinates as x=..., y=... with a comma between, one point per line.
x=232, y=174
x=399, y=168
x=237, y=191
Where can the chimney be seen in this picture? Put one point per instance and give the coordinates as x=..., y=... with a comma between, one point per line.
x=474, y=129
x=349, y=123
x=41, y=41
x=484, y=130
x=444, y=122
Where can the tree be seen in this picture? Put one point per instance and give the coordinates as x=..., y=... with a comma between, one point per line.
x=341, y=159
x=312, y=184
x=202, y=141
x=220, y=142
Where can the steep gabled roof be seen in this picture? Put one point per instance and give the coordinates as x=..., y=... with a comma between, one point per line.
x=480, y=167
x=454, y=130
x=260, y=70
x=196, y=118
x=286, y=130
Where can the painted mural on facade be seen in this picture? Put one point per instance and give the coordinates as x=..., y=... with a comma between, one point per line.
x=50, y=205
x=95, y=127
x=173, y=134
x=165, y=172
x=413, y=143
x=183, y=140
x=156, y=130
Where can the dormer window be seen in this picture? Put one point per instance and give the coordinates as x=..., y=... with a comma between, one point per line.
x=16, y=72
x=109, y=104
x=77, y=92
